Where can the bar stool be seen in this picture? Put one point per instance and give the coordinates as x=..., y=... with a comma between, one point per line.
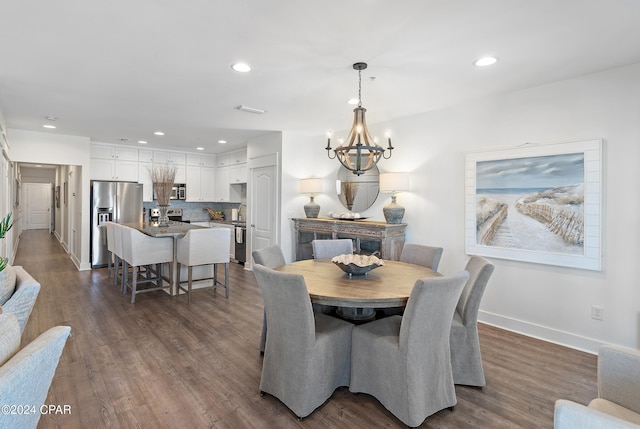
x=118, y=264
x=207, y=246
x=142, y=250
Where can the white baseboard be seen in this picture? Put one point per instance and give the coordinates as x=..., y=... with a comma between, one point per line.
x=567, y=339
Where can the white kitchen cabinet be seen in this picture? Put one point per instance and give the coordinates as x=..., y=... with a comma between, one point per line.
x=200, y=184
x=238, y=157
x=222, y=187
x=238, y=174
x=105, y=151
x=165, y=157
x=144, y=177
x=181, y=174
x=114, y=169
x=222, y=160
x=201, y=160
x=145, y=155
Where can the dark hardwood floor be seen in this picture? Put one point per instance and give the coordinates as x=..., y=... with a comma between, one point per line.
x=164, y=364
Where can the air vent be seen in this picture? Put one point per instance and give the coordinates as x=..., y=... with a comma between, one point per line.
x=250, y=109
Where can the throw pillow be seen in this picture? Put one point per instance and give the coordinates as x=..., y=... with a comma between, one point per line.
x=7, y=283
x=9, y=336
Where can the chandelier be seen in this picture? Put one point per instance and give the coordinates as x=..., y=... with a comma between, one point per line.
x=359, y=152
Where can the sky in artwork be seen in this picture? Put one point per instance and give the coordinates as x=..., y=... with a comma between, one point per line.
x=531, y=172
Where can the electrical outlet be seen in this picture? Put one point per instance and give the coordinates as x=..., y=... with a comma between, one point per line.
x=597, y=312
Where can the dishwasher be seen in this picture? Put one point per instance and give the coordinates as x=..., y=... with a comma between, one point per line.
x=241, y=242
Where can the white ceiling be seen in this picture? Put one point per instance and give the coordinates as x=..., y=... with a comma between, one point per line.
x=125, y=68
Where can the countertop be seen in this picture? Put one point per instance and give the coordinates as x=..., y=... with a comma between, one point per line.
x=224, y=222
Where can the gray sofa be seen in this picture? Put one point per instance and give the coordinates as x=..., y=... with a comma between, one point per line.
x=618, y=403
x=23, y=298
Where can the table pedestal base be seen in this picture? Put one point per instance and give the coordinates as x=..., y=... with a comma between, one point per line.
x=356, y=313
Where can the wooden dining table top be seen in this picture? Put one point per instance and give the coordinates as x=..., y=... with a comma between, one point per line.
x=387, y=286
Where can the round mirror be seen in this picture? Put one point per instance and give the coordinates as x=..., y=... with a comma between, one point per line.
x=357, y=193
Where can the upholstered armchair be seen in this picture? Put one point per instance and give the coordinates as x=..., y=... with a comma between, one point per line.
x=270, y=257
x=26, y=375
x=405, y=362
x=618, y=403
x=24, y=297
x=307, y=354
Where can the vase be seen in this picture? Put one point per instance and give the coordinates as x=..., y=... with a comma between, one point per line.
x=163, y=219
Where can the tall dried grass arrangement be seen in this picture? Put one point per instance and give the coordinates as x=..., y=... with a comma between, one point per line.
x=349, y=190
x=163, y=177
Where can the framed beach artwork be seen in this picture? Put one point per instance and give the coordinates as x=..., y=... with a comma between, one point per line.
x=540, y=204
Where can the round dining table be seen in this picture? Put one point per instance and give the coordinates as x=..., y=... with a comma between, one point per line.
x=386, y=286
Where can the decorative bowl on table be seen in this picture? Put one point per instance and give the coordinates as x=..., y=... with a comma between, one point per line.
x=357, y=265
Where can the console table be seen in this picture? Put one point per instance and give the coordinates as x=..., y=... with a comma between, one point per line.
x=369, y=237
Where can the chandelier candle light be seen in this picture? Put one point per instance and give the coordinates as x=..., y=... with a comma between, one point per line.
x=163, y=177
x=311, y=187
x=359, y=152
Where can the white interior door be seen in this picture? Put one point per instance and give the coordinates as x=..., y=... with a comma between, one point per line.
x=264, y=207
x=38, y=198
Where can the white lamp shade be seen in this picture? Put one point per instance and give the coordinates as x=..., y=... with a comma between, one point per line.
x=394, y=182
x=310, y=186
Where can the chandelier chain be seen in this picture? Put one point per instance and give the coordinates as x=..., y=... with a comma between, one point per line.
x=359, y=88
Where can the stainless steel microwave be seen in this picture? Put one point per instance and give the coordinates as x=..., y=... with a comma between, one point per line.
x=178, y=192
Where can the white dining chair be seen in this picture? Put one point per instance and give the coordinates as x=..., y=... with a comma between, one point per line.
x=141, y=250
x=207, y=246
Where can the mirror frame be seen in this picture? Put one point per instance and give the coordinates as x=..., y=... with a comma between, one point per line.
x=348, y=195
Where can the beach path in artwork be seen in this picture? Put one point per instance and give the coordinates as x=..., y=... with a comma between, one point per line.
x=524, y=232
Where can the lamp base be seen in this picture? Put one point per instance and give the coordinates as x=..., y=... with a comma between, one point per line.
x=312, y=209
x=393, y=213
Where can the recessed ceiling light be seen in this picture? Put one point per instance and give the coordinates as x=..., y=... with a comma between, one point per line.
x=159, y=133
x=51, y=118
x=142, y=142
x=485, y=61
x=200, y=148
x=241, y=67
x=49, y=126
x=353, y=101
x=222, y=141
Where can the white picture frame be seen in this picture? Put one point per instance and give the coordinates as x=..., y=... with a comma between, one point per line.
x=539, y=204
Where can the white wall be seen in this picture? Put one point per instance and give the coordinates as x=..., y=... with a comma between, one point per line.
x=47, y=148
x=553, y=303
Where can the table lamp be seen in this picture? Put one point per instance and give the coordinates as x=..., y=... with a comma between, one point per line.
x=392, y=183
x=311, y=187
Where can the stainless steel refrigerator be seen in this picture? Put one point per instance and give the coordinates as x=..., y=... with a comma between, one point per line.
x=120, y=202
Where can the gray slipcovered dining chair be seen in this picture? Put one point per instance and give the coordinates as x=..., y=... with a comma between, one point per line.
x=270, y=257
x=323, y=249
x=420, y=254
x=405, y=362
x=141, y=250
x=207, y=246
x=466, y=360
x=307, y=355
x=26, y=374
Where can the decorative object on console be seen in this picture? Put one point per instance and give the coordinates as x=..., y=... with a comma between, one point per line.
x=7, y=272
x=163, y=176
x=360, y=152
x=312, y=187
x=392, y=183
